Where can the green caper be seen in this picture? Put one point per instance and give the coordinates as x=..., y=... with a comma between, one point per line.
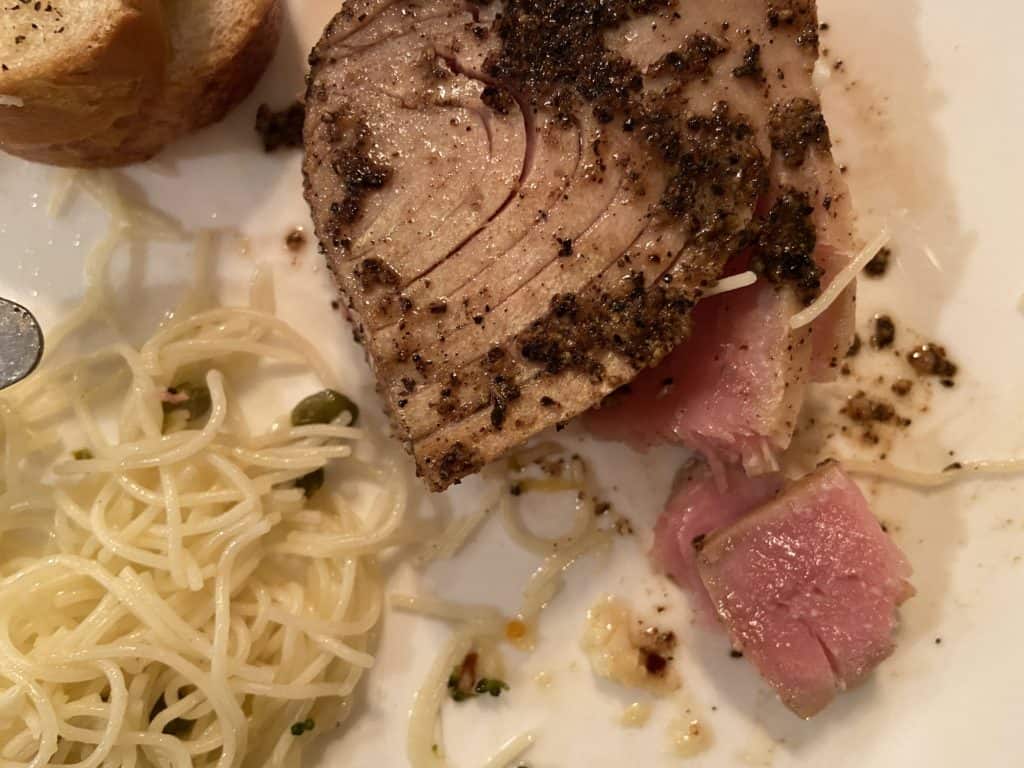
x=195, y=400
x=491, y=686
x=82, y=454
x=323, y=408
x=311, y=483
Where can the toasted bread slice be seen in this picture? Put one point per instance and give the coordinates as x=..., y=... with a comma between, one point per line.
x=69, y=70
x=218, y=51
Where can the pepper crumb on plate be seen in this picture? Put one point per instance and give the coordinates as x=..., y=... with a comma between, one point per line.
x=862, y=408
x=281, y=128
x=902, y=387
x=879, y=265
x=623, y=527
x=931, y=360
x=884, y=332
x=295, y=240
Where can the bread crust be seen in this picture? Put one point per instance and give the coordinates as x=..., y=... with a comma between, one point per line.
x=89, y=86
x=194, y=95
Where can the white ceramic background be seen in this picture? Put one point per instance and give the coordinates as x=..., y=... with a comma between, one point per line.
x=926, y=110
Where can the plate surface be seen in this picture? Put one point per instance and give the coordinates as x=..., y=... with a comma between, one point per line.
x=926, y=112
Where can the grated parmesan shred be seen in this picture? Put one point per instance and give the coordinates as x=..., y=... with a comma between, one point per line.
x=839, y=283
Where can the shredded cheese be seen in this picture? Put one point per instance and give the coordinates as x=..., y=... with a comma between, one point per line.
x=511, y=751
x=731, y=283
x=918, y=478
x=839, y=283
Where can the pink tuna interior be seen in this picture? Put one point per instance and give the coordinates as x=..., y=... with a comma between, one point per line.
x=702, y=504
x=808, y=587
x=732, y=391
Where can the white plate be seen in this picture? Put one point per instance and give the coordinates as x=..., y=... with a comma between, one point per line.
x=926, y=111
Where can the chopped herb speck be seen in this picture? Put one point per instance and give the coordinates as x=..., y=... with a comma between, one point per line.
x=491, y=686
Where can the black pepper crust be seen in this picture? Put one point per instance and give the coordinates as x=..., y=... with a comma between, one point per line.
x=751, y=67
x=639, y=323
x=692, y=60
x=553, y=52
x=373, y=273
x=797, y=16
x=718, y=173
x=795, y=127
x=359, y=169
x=498, y=99
x=457, y=462
x=784, y=253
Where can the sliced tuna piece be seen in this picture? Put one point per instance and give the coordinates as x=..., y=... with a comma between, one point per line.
x=804, y=173
x=701, y=504
x=522, y=201
x=732, y=391
x=808, y=587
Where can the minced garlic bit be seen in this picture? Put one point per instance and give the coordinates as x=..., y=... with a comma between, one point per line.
x=636, y=715
x=839, y=283
x=759, y=751
x=689, y=736
x=622, y=649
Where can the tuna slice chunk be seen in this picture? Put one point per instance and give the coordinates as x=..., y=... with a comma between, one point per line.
x=522, y=201
x=808, y=587
x=732, y=391
x=701, y=504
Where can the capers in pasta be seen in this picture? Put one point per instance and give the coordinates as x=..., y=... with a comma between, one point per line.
x=323, y=408
x=311, y=483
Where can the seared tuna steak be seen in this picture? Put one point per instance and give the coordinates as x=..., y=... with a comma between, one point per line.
x=808, y=587
x=521, y=202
